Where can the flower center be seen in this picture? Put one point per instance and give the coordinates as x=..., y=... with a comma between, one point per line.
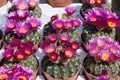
x=69, y=25
x=99, y=1
x=20, y=56
x=11, y=26
x=93, y=19
x=92, y=1
x=112, y=50
x=22, y=7
x=32, y=3
x=59, y=26
x=100, y=44
x=27, y=52
x=22, y=30
x=111, y=24
x=104, y=56
x=68, y=53
x=8, y=55
x=74, y=46
x=3, y=76
x=50, y=50
x=76, y=23
x=33, y=24
x=22, y=77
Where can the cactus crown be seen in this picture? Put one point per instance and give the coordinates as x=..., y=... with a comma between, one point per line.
x=61, y=59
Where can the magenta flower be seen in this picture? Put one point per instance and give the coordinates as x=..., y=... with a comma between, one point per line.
x=58, y=24
x=22, y=14
x=29, y=44
x=20, y=76
x=113, y=23
x=91, y=17
x=53, y=57
x=54, y=17
x=102, y=78
x=13, y=16
x=22, y=5
x=33, y=3
x=4, y=75
x=75, y=45
x=70, y=10
x=69, y=52
x=19, y=55
x=15, y=42
x=69, y=24
x=28, y=51
x=8, y=54
x=44, y=44
x=77, y=22
x=22, y=45
x=34, y=23
x=92, y=2
x=50, y=49
x=104, y=72
x=10, y=25
x=15, y=2
x=52, y=37
x=64, y=37
x=22, y=29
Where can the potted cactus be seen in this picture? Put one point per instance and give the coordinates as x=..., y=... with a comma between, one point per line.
x=61, y=61
x=103, y=58
x=67, y=18
x=23, y=22
x=18, y=61
x=100, y=22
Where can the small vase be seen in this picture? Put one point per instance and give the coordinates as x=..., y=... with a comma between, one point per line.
x=3, y=2
x=59, y=3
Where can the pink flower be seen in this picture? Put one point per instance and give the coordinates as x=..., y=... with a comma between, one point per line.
x=22, y=5
x=8, y=54
x=113, y=23
x=29, y=44
x=12, y=16
x=69, y=52
x=19, y=55
x=70, y=10
x=22, y=14
x=52, y=37
x=33, y=3
x=104, y=55
x=44, y=44
x=22, y=29
x=28, y=51
x=91, y=17
x=53, y=57
x=54, y=17
x=77, y=22
x=68, y=24
x=50, y=49
x=58, y=24
x=75, y=45
x=64, y=37
x=10, y=25
x=34, y=23
x=15, y=42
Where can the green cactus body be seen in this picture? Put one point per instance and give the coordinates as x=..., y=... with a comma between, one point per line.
x=95, y=68
x=59, y=70
x=30, y=62
x=34, y=36
x=90, y=32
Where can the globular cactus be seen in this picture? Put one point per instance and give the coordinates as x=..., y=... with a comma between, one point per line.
x=62, y=70
x=30, y=62
x=95, y=67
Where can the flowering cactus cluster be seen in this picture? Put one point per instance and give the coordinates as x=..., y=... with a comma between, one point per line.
x=60, y=47
x=104, y=49
x=21, y=22
x=18, y=72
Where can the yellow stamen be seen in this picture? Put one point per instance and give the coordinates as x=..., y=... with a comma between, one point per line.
x=50, y=50
x=22, y=77
x=59, y=26
x=99, y=1
x=111, y=24
x=68, y=53
x=27, y=52
x=22, y=30
x=69, y=25
x=11, y=26
x=100, y=44
x=33, y=24
x=22, y=7
x=92, y=1
x=112, y=50
x=104, y=56
x=93, y=19
x=3, y=76
x=32, y=3
x=20, y=56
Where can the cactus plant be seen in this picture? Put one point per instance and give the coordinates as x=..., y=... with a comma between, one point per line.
x=103, y=61
x=100, y=22
x=60, y=46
